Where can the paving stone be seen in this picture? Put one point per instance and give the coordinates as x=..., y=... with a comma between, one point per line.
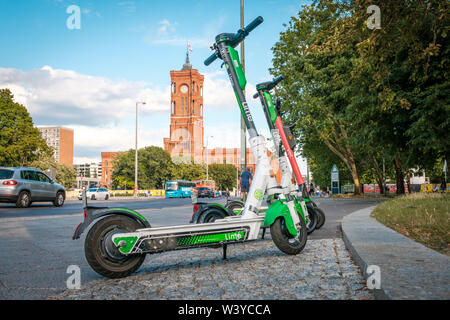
x=324, y=270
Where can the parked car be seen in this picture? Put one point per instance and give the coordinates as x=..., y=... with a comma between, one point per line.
x=205, y=192
x=95, y=194
x=23, y=186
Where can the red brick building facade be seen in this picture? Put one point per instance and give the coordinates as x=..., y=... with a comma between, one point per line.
x=186, y=141
x=186, y=115
x=107, y=168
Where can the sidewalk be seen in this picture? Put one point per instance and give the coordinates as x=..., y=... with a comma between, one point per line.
x=408, y=269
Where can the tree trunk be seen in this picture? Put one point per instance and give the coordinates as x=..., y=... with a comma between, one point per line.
x=399, y=176
x=408, y=180
x=378, y=175
x=355, y=177
x=347, y=156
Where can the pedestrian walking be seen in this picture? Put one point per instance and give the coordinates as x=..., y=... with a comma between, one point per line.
x=245, y=182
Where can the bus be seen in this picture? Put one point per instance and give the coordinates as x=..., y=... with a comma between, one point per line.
x=179, y=188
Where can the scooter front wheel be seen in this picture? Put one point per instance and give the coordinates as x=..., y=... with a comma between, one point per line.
x=312, y=223
x=286, y=242
x=101, y=253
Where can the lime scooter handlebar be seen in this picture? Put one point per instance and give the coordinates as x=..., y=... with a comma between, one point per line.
x=267, y=86
x=237, y=38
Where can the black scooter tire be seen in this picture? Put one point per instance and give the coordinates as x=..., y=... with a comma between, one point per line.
x=312, y=225
x=108, y=261
x=284, y=240
x=234, y=205
x=320, y=217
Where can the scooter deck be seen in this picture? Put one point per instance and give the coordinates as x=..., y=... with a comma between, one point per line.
x=153, y=240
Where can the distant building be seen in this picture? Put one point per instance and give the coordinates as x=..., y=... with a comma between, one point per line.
x=61, y=139
x=83, y=182
x=89, y=170
x=107, y=168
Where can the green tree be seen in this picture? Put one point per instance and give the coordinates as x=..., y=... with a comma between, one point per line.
x=123, y=183
x=20, y=141
x=224, y=175
x=316, y=85
x=188, y=171
x=154, y=167
x=370, y=94
x=406, y=67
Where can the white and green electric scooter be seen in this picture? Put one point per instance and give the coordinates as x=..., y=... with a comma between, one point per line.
x=116, y=245
x=204, y=212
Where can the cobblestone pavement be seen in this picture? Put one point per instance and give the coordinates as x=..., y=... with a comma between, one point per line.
x=256, y=270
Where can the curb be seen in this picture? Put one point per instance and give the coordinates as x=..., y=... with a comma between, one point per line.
x=408, y=270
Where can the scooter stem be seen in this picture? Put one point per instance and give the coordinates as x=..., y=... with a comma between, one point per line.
x=289, y=152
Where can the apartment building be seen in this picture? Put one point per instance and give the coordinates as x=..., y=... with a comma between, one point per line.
x=89, y=170
x=61, y=140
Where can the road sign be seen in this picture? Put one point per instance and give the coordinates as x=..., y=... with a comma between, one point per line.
x=334, y=180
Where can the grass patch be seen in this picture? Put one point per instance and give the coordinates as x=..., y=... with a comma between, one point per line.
x=419, y=216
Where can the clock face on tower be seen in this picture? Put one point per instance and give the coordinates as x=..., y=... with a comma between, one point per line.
x=184, y=88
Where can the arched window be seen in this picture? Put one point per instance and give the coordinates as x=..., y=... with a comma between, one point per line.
x=201, y=110
x=173, y=107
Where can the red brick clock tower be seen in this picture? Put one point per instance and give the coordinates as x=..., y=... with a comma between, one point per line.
x=186, y=115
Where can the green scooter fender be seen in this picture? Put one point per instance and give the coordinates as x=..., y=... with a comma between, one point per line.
x=279, y=209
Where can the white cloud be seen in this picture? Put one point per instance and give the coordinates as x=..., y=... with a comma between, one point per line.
x=218, y=92
x=101, y=111
x=166, y=27
x=91, y=141
x=63, y=97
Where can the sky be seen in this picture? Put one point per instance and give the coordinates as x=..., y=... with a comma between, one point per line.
x=89, y=78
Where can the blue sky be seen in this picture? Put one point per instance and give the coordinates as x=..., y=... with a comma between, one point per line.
x=88, y=79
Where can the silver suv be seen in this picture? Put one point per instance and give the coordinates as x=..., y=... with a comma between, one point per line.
x=22, y=186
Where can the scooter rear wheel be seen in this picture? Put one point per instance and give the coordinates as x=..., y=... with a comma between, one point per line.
x=235, y=205
x=212, y=215
x=286, y=242
x=103, y=256
x=320, y=217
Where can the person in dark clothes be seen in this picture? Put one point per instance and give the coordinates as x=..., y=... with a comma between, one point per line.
x=245, y=182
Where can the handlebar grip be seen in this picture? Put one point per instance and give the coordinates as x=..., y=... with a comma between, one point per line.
x=252, y=25
x=256, y=95
x=278, y=79
x=210, y=59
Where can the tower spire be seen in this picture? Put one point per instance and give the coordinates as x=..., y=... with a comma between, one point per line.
x=187, y=65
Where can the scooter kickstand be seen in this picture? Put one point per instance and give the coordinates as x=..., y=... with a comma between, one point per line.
x=224, y=248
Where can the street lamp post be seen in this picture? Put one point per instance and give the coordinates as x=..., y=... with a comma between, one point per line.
x=243, y=127
x=136, y=154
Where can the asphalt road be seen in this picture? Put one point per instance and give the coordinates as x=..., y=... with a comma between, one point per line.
x=41, y=209
x=38, y=249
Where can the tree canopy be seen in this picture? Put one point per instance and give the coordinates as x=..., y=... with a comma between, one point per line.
x=20, y=142
x=368, y=94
